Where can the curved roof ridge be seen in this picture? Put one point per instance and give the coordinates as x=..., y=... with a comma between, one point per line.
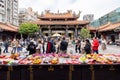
x=68, y=14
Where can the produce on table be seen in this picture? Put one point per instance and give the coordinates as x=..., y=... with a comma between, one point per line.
x=60, y=59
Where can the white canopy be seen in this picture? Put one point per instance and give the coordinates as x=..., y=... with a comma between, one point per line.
x=56, y=35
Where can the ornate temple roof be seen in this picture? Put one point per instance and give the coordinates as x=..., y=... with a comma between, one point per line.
x=67, y=18
x=109, y=26
x=58, y=15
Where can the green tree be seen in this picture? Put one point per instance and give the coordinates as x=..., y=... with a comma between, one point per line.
x=28, y=28
x=85, y=33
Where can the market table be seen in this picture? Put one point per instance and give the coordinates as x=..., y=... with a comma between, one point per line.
x=60, y=72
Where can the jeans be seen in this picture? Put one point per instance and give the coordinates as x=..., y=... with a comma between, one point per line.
x=95, y=51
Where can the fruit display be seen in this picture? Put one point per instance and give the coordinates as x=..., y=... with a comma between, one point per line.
x=54, y=60
x=38, y=59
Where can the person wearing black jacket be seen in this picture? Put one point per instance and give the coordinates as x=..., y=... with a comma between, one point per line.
x=78, y=46
x=6, y=45
x=31, y=48
x=87, y=47
x=63, y=45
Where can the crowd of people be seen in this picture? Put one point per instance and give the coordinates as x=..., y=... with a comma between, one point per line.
x=53, y=45
x=87, y=46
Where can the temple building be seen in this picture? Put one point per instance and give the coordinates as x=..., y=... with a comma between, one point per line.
x=66, y=24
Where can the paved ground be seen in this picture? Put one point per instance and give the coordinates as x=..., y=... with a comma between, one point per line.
x=110, y=49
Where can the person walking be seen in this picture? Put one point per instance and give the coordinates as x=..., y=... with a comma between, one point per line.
x=15, y=45
x=6, y=45
x=58, y=46
x=95, y=45
x=0, y=50
x=87, y=47
x=50, y=46
x=39, y=47
x=103, y=44
x=77, y=46
x=31, y=48
x=82, y=46
x=43, y=46
x=63, y=45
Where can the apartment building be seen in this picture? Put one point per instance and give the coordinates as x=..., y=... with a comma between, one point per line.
x=9, y=11
x=88, y=17
x=27, y=15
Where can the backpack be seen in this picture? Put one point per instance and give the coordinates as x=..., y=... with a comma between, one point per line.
x=64, y=45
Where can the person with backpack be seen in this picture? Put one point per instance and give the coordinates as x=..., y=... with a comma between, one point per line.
x=31, y=48
x=87, y=47
x=63, y=45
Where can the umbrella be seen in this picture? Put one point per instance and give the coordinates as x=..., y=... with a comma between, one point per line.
x=56, y=35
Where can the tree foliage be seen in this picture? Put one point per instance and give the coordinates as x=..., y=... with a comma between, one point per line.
x=28, y=28
x=85, y=33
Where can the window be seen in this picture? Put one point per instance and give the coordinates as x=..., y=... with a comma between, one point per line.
x=15, y=0
x=2, y=1
x=118, y=10
x=103, y=20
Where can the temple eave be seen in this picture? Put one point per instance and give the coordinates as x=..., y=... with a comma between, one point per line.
x=61, y=23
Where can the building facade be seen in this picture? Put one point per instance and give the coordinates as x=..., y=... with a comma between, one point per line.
x=8, y=19
x=27, y=15
x=113, y=17
x=66, y=24
x=88, y=17
x=2, y=10
x=108, y=25
x=9, y=11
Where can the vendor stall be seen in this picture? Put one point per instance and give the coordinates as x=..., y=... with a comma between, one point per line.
x=60, y=67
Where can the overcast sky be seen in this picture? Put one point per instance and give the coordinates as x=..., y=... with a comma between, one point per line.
x=96, y=7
